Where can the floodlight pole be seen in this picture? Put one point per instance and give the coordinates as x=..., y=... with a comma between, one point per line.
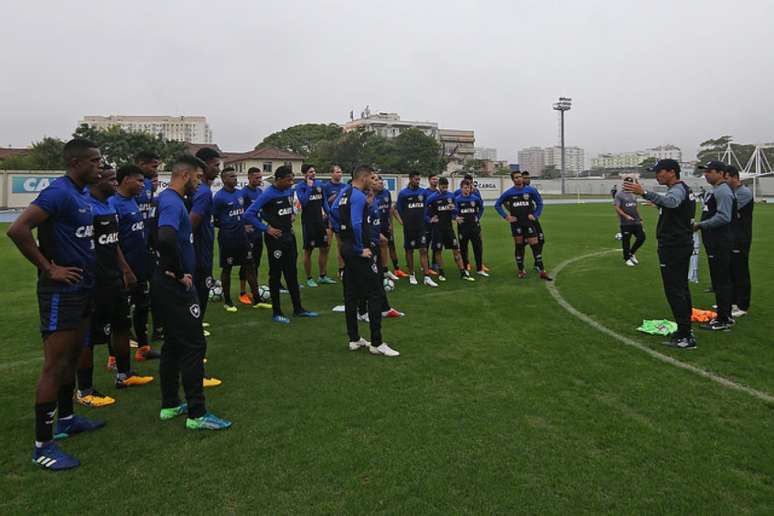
x=562, y=106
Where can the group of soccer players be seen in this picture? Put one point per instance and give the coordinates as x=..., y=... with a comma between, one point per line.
x=110, y=249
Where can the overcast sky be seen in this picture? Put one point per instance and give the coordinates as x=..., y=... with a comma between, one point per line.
x=640, y=73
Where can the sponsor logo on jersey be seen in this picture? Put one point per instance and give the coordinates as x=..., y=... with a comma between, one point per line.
x=110, y=238
x=138, y=226
x=285, y=211
x=414, y=205
x=84, y=232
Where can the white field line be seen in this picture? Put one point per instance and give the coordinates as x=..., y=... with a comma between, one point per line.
x=725, y=382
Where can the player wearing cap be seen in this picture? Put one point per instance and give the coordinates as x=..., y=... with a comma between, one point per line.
x=439, y=214
x=625, y=205
x=524, y=205
x=715, y=226
x=410, y=212
x=674, y=233
x=314, y=223
x=741, y=227
x=64, y=257
x=272, y=214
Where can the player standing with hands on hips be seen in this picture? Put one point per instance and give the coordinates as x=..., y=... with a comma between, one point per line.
x=674, y=232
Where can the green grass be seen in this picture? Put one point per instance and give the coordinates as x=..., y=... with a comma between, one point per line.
x=500, y=403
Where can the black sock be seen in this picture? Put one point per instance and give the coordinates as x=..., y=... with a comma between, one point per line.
x=322, y=274
x=122, y=364
x=440, y=272
x=241, y=293
x=520, y=256
x=65, y=400
x=44, y=421
x=85, y=379
x=395, y=265
x=538, y=257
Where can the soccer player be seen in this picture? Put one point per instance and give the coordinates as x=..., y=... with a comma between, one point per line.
x=331, y=190
x=233, y=247
x=314, y=225
x=742, y=238
x=362, y=277
x=674, y=233
x=432, y=189
x=203, y=228
x=527, y=180
x=440, y=212
x=715, y=225
x=410, y=212
x=110, y=322
x=275, y=207
x=625, y=205
x=148, y=162
x=66, y=265
x=523, y=205
x=250, y=193
x=182, y=357
x=476, y=193
x=383, y=202
x=152, y=224
x=470, y=209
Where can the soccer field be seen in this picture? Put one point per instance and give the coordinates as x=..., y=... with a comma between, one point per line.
x=501, y=400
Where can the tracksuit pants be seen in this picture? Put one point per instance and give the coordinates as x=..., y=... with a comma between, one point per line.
x=674, y=262
x=362, y=281
x=627, y=232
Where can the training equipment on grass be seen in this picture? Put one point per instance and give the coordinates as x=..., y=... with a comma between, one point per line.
x=389, y=285
x=216, y=292
x=263, y=294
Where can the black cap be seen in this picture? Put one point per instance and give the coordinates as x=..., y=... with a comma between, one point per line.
x=732, y=170
x=665, y=164
x=713, y=165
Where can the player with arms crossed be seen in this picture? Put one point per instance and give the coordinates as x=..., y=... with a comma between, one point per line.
x=410, y=212
x=440, y=212
x=523, y=205
x=66, y=265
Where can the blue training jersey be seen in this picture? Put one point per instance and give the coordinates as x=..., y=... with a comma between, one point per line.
x=131, y=234
x=332, y=190
x=66, y=237
x=172, y=213
x=249, y=195
x=411, y=207
x=227, y=211
x=383, y=200
x=375, y=223
x=108, y=272
x=204, y=238
x=145, y=203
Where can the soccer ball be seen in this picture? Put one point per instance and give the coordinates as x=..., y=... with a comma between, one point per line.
x=216, y=292
x=389, y=285
x=264, y=294
x=618, y=236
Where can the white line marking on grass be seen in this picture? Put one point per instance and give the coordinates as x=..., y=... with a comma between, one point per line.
x=18, y=363
x=725, y=382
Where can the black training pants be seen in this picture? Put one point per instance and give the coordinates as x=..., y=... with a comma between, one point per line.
x=182, y=355
x=674, y=262
x=627, y=231
x=719, y=258
x=202, y=284
x=471, y=233
x=740, y=275
x=362, y=281
x=283, y=256
x=140, y=299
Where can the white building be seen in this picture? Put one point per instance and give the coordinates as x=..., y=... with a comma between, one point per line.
x=389, y=125
x=532, y=160
x=635, y=158
x=485, y=153
x=574, y=159
x=192, y=129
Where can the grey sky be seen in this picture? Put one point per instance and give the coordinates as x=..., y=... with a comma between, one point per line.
x=641, y=73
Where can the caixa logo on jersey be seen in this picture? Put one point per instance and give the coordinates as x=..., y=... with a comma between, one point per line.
x=84, y=232
x=30, y=184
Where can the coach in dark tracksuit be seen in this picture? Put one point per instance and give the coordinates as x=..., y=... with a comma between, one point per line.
x=741, y=227
x=674, y=233
x=715, y=226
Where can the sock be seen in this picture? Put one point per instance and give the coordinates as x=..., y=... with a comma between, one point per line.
x=65, y=401
x=241, y=293
x=537, y=255
x=322, y=274
x=122, y=364
x=44, y=422
x=395, y=265
x=440, y=272
x=520, y=256
x=85, y=379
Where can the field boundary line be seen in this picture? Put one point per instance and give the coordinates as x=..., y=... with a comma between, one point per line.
x=725, y=382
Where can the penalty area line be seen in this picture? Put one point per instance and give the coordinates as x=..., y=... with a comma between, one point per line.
x=725, y=382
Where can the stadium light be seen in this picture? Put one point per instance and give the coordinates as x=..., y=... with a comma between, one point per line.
x=564, y=104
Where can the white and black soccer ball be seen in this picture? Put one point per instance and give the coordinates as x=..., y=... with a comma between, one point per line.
x=216, y=292
x=618, y=236
x=389, y=285
x=264, y=294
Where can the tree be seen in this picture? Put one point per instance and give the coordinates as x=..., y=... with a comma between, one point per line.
x=303, y=138
x=119, y=146
x=418, y=152
x=550, y=172
x=43, y=155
